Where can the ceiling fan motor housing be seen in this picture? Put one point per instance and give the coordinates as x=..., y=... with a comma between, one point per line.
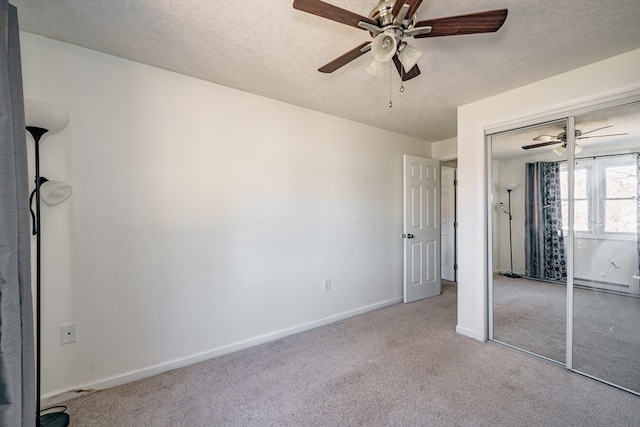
x=382, y=13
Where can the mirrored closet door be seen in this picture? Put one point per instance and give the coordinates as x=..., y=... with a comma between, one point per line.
x=565, y=242
x=528, y=256
x=606, y=294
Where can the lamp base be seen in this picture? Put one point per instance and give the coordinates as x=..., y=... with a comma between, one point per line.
x=56, y=419
x=512, y=275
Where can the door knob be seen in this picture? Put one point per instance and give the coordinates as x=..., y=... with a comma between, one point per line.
x=407, y=236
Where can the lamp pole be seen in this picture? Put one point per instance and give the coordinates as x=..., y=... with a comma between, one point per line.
x=37, y=133
x=510, y=273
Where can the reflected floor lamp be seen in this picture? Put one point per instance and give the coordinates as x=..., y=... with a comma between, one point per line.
x=510, y=188
x=41, y=118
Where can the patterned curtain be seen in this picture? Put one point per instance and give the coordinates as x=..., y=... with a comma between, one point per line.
x=544, y=239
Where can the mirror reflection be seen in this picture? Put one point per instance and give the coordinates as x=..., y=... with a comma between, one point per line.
x=529, y=255
x=606, y=311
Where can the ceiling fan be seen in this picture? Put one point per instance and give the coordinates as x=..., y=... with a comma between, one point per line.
x=390, y=22
x=561, y=138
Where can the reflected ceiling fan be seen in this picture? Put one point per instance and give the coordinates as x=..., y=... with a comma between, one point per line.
x=561, y=138
x=390, y=22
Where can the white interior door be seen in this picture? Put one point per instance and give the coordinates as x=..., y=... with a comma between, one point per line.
x=421, y=228
x=448, y=223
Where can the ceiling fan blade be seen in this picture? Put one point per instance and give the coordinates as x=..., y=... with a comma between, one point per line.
x=346, y=58
x=546, y=138
x=407, y=75
x=602, y=136
x=473, y=23
x=401, y=14
x=413, y=6
x=329, y=11
x=542, y=144
x=597, y=129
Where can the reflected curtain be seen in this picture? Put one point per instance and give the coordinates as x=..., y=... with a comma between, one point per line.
x=544, y=241
x=17, y=364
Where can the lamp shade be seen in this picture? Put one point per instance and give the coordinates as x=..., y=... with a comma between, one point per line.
x=45, y=116
x=409, y=56
x=384, y=47
x=54, y=192
x=559, y=150
x=374, y=68
x=511, y=186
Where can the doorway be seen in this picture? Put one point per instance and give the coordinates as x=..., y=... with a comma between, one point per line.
x=448, y=221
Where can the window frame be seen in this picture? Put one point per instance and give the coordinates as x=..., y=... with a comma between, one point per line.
x=596, y=197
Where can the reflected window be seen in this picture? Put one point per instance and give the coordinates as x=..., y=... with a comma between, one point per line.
x=605, y=196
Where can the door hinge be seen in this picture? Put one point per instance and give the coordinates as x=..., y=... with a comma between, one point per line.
x=455, y=224
x=455, y=182
x=455, y=266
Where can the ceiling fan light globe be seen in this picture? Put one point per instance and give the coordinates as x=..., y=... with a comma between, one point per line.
x=374, y=68
x=577, y=149
x=409, y=56
x=384, y=47
x=559, y=150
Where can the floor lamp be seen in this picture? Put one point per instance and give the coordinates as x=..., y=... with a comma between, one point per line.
x=510, y=188
x=41, y=118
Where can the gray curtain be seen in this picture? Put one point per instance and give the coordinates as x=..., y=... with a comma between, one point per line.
x=544, y=241
x=638, y=205
x=17, y=364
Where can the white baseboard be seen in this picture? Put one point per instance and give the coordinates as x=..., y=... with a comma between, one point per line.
x=57, y=396
x=471, y=333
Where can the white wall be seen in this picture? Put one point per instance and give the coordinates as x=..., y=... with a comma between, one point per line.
x=598, y=82
x=203, y=219
x=445, y=150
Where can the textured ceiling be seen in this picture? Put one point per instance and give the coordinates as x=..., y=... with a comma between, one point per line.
x=268, y=48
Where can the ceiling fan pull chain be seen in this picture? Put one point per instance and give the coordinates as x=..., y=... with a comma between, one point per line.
x=390, y=83
x=401, y=79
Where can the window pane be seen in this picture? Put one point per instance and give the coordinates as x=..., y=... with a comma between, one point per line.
x=580, y=183
x=580, y=191
x=621, y=181
x=621, y=216
x=581, y=206
x=581, y=215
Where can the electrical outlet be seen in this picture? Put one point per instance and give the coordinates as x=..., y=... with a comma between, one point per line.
x=327, y=284
x=68, y=333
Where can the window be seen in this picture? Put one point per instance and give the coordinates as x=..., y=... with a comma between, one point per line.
x=620, y=199
x=605, y=195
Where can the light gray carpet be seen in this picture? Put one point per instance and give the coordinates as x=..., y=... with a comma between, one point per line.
x=403, y=365
x=530, y=314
